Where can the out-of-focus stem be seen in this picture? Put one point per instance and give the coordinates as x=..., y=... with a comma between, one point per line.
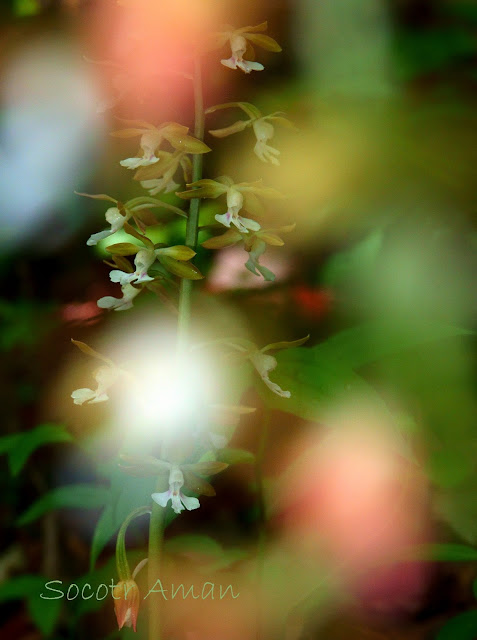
x=156, y=529
x=193, y=218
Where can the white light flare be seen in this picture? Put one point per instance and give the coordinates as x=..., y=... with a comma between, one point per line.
x=165, y=394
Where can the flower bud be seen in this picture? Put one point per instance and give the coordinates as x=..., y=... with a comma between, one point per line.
x=126, y=603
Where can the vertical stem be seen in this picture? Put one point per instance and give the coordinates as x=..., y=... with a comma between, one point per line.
x=262, y=516
x=193, y=218
x=156, y=534
x=156, y=528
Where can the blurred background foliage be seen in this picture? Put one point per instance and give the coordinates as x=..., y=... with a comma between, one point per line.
x=380, y=272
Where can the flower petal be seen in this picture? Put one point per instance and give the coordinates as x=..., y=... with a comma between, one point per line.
x=97, y=237
x=82, y=395
x=189, y=503
x=162, y=498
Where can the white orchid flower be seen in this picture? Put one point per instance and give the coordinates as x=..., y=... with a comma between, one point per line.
x=264, y=131
x=143, y=260
x=115, y=219
x=263, y=364
x=238, y=45
x=150, y=141
x=234, y=205
x=120, y=304
x=105, y=377
x=178, y=500
x=261, y=361
x=241, y=43
x=262, y=127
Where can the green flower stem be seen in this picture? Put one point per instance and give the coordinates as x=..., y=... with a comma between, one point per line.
x=122, y=564
x=156, y=535
x=192, y=227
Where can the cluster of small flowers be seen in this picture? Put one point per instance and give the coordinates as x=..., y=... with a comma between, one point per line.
x=164, y=152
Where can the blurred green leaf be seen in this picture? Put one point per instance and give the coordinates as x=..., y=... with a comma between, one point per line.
x=73, y=496
x=193, y=544
x=372, y=341
x=24, y=323
x=445, y=553
x=125, y=495
x=19, y=447
x=424, y=51
x=105, y=528
x=361, y=257
x=462, y=627
x=313, y=383
x=235, y=456
x=458, y=508
x=44, y=613
x=26, y=8
x=21, y=587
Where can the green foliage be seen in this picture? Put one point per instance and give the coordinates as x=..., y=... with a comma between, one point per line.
x=236, y=456
x=317, y=375
x=361, y=257
x=19, y=447
x=23, y=323
x=445, y=553
x=44, y=613
x=462, y=627
x=125, y=495
x=73, y=496
x=212, y=556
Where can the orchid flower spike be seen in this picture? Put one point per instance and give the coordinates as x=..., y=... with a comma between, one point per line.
x=120, y=304
x=241, y=44
x=151, y=138
x=143, y=260
x=262, y=127
x=242, y=195
x=178, y=500
x=105, y=377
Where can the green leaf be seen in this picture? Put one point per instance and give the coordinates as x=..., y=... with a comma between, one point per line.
x=20, y=446
x=370, y=342
x=44, y=613
x=361, y=258
x=190, y=543
x=73, y=496
x=446, y=553
x=8, y=442
x=185, y=270
x=29, y=441
x=462, y=627
x=105, y=529
x=313, y=383
x=236, y=456
x=123, y=249
x=21, y=587
x=125, y=495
